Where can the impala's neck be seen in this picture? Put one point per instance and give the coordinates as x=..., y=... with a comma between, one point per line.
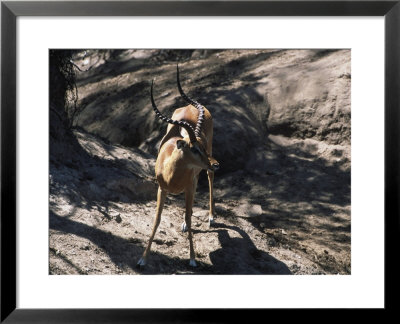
x=177, y=163
x=175, y=174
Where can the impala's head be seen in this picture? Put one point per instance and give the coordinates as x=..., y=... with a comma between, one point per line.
x=196, y=155
x=191, y=145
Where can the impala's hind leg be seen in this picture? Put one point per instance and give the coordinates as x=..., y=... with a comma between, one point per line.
x=210, y=185
x=160, y=203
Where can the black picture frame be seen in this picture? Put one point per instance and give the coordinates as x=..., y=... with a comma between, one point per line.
x=10, y=10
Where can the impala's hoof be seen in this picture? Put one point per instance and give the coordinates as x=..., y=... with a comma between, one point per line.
x=141, y=263
x=184, y=228
x=193, y=263
x=211, y=221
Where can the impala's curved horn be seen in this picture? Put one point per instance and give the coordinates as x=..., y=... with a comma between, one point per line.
x=194, y=103
x=181, y=123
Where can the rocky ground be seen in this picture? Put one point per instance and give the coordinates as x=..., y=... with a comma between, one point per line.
x=282, y=137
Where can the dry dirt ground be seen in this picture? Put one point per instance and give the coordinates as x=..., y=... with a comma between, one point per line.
x=285, y=208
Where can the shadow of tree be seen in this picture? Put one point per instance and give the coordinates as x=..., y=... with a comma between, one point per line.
x=108, y=69
x=94, y=182
x=296, y=191
x=66, y=260
x=121, y=251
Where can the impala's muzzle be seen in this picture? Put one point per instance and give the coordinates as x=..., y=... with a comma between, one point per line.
x=215, y=166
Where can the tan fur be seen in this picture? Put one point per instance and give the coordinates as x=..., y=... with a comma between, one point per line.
x=177, y=169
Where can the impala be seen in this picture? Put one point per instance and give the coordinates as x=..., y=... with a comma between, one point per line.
x=184, y=151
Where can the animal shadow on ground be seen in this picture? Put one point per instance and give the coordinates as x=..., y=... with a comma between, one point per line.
x=239, y=255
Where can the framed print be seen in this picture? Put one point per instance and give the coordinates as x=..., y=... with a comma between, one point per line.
x=286, y=195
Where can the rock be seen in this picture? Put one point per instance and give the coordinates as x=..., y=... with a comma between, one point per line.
x=133, y=187
x=314, y=100
x=201, y=213
x=134, y=240
x=271, y=241
x=248, y=210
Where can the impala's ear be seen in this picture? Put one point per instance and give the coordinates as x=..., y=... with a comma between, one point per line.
x=180, y=144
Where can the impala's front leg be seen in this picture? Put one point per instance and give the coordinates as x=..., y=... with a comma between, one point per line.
x=184, y=226
x=210, y=185
x=189, y=197
x=160, y=203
